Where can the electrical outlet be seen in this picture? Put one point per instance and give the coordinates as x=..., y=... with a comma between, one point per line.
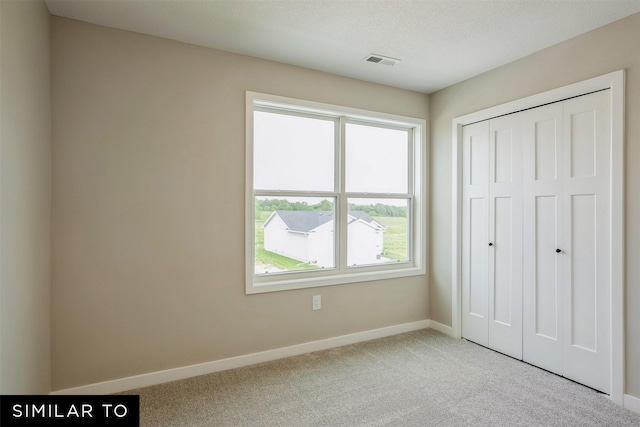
x=317, y=302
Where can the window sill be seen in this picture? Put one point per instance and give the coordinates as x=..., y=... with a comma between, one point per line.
x=337, y=279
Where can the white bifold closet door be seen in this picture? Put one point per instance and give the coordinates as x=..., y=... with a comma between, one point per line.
x=492, y=220
x=567, y=270
x=536, y=237
x=543, y=266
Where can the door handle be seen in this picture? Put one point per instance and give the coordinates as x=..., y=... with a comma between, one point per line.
x=558, y=251
x=490, y=244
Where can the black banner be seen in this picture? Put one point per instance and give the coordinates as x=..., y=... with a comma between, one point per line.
x=86, y=411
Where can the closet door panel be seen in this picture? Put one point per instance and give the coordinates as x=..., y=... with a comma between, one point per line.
x=503, y=260
x=505, y=234
x=587, y=240
x=478, y=257
x=542, y=236
x=546, y=265
x=542, y=135
x=583, y=286
x=475, y=225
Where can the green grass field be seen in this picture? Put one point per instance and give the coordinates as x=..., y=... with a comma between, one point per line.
x=395, y=237
x=395, y=244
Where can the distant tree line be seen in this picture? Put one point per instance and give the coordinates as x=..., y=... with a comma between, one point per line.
x=379, y=209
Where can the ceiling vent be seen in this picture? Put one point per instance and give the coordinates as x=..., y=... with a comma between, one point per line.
x=382, y=60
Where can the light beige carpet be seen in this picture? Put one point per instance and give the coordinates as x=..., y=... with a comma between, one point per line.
x=421, y=378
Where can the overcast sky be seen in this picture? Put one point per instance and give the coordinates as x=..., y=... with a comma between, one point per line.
x=297, y=153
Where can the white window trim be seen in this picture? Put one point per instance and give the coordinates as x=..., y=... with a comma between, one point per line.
x=418, y=241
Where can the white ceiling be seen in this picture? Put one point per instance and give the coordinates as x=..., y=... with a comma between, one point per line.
x=439, y=42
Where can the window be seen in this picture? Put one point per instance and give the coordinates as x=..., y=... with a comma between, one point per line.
x=334, y=195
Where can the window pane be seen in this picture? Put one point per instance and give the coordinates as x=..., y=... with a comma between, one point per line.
x=294, y=233
x=377, y=231
x=292, y=153
x=377, y=159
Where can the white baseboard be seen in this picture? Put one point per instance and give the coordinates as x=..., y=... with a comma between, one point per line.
x=632, y=403
x=153, y=378
x=447, y=330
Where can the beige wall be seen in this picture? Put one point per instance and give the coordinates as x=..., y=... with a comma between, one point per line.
x=25, y=197
x=148, y=208
x=598, y=52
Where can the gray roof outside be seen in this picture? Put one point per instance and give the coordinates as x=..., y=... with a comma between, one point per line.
x=305, y=221
x=363, y=216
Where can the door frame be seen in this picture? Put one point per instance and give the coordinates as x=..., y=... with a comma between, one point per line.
x=615, y=82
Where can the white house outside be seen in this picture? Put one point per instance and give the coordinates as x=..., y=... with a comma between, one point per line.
x=307, y=236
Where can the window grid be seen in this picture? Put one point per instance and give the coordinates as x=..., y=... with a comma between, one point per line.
x=341, y=205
